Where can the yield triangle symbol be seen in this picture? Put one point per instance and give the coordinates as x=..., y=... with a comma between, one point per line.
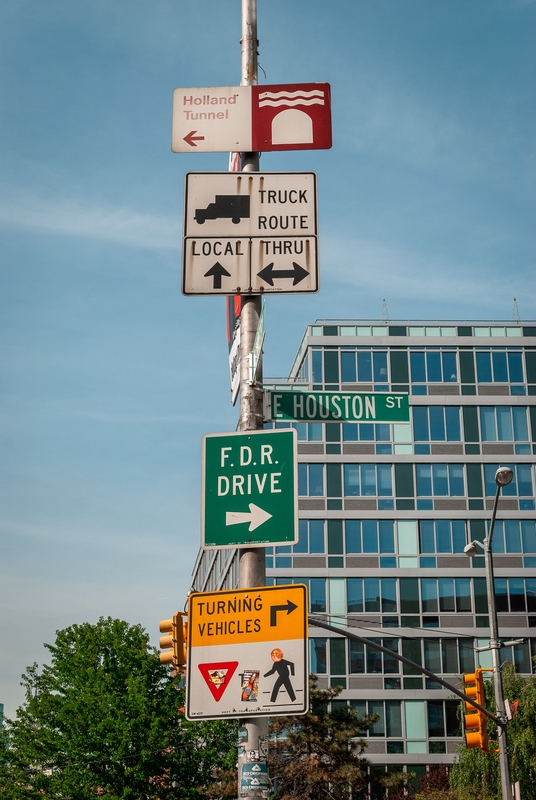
x=217, y=676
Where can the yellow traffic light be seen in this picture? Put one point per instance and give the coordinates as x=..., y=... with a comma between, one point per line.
x=475, y=721
x=176, y=629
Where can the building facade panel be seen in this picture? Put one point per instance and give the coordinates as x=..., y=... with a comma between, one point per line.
x=386, y=510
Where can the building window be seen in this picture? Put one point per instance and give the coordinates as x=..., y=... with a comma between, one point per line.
x=521, y=484
x=498, y=365
x=337, y=656
x=369, y=536
x=442, y=536
x=365, y=480
x=517, y=595
x=364, y=659
x=306, y=431
x=365, y=432
x=363, y=366
x=316, y=589
x=449, y=656
x=433, y=366
x=514, y=536
x=436, y=424
x=311, y=480
x=519, y=656
x=312, y=537
x=443, y=719
x=318, y=655
x=440, y=480
x=449, y=595
x=317, y=595
x=371, y=595
x=389, y=714
x=504, y=424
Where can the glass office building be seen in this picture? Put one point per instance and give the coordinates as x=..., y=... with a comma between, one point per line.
x=386, y=510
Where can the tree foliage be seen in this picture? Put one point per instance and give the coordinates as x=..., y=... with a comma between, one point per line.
x=435, y=785
x=103, y=719
x=477, y=774
x=318, y=756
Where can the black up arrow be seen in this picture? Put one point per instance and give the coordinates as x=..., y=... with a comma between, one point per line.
x=269, y=273
x=289, y=608
x=217, y=272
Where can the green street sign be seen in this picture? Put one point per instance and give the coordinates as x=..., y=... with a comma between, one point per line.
x=249, y=489
x=338, y=406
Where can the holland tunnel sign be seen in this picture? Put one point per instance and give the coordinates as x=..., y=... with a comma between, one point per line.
x=337, y=407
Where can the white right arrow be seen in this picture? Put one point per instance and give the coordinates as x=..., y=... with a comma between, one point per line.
x=256, y=517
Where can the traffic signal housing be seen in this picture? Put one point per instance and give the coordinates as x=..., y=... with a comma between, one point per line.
x=176, y=630
x=476, y=734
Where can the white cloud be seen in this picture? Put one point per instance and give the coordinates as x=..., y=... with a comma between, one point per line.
x=401, y=124
x=446, y=133
x=75, y=218
x=394, y=272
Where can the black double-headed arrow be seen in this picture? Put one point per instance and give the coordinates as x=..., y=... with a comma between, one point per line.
x=269, y=273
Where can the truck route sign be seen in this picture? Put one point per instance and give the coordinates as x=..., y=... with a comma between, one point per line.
x=247, y=652
x=250, y=233
x=249, y=489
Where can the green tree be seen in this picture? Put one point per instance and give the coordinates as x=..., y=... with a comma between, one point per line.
x=103, y=719
x=318, y=756
x=522, y=729
x=479, y=771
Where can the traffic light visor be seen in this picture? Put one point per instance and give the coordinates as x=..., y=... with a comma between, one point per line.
x=175, y=629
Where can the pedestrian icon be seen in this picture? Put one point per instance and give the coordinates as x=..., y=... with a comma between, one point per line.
x=284, y=669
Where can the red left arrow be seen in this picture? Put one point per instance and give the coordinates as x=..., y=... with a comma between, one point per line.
x=191, y=139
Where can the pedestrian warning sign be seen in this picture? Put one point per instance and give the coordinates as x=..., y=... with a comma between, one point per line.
x=247, y=652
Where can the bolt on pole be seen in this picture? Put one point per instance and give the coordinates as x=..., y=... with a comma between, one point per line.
x=252, y=560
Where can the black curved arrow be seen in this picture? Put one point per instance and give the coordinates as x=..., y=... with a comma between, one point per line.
x=289, y=608
x=269, y=273
x=217, y=272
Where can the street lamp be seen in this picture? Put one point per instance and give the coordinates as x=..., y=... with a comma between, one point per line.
x=503, y=477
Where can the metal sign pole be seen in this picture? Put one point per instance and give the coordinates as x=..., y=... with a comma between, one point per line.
x=253, y=734
x=495, y=645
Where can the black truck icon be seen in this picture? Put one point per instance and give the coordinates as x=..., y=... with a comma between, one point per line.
x=225, y=206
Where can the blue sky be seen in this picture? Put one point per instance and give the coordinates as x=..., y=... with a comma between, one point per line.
x=110, y=376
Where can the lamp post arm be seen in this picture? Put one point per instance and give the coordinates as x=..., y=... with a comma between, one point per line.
x=493, y=515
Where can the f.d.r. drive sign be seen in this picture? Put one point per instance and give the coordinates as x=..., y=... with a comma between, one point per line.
x=249, y=489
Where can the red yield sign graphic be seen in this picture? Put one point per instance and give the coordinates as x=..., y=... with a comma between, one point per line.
x=217, y=676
